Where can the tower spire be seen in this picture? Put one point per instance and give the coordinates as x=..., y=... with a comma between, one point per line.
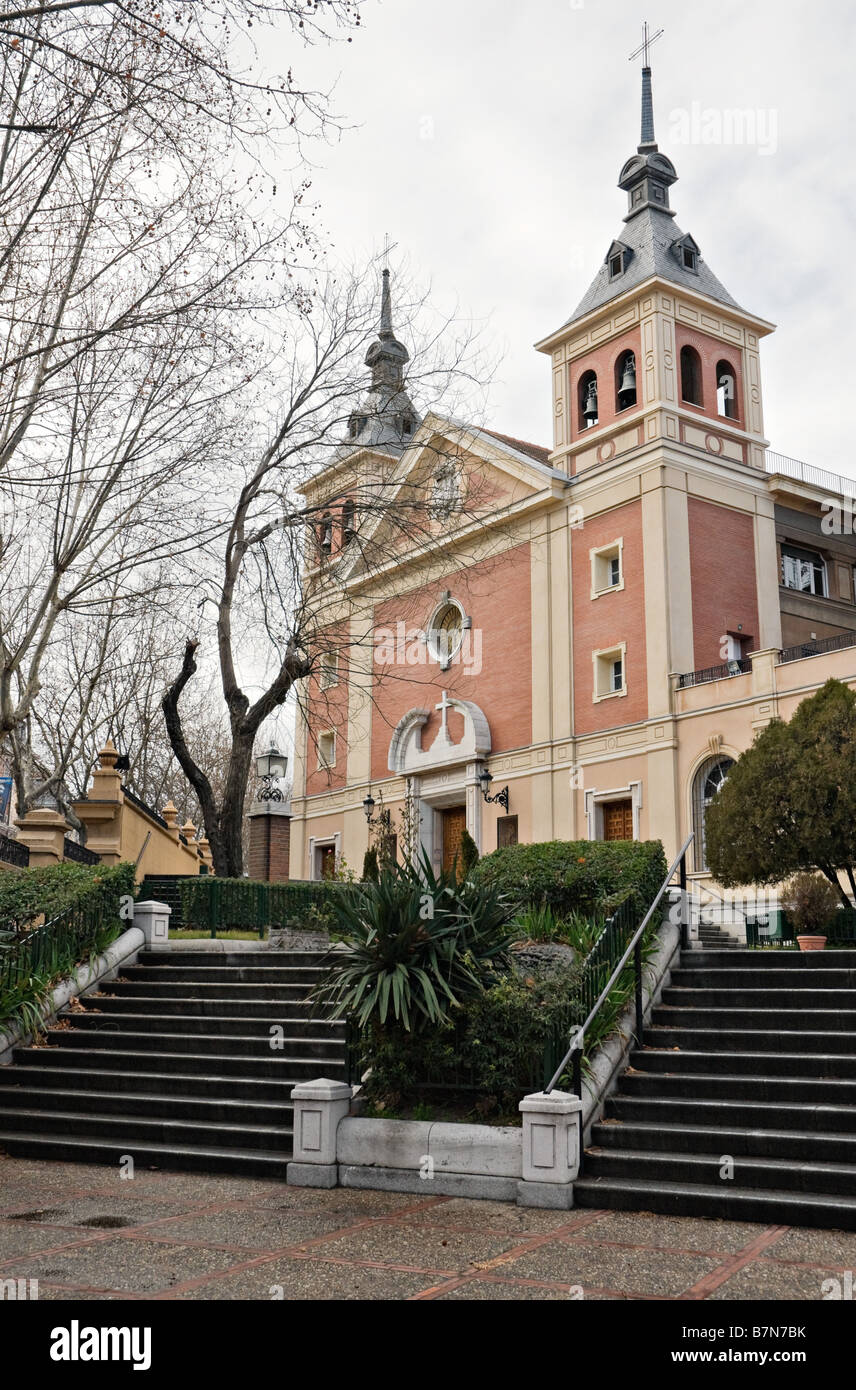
x=385, y=418
x=647, y=140
x=648, y=175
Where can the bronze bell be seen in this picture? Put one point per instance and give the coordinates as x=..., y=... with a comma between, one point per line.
x=590, y=409
x=628, y=379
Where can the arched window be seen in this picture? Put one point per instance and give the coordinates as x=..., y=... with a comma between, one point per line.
x=708, y=782
x=691, y=376
x=588, y=400
x=625, y=381
x=348, y=517
x=726, y=390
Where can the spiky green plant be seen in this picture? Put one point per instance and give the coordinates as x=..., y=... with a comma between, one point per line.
x=418, y=945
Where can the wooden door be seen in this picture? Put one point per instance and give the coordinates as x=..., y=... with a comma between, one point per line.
x=454, y=825
x=618, y=820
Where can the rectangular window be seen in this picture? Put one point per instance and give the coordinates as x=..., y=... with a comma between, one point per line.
x=607, y=568
x=610, y=673
x=329, y=672
x=803, y=570
x=326, y=750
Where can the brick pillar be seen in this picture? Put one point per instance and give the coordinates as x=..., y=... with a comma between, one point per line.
x=270, y=839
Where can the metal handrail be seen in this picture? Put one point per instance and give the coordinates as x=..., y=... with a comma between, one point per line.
x=634, y=947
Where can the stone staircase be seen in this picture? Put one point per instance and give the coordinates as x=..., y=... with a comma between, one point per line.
x=751, y=1056
x=172, y=1063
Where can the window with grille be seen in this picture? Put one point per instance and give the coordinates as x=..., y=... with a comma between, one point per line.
x=708, y=782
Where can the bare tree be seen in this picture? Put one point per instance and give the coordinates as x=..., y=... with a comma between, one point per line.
x=277, y=601
x=142, y=244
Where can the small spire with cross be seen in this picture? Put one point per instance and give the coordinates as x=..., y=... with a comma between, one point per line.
x=647, y=141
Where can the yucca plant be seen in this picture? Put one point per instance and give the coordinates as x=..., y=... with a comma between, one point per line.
x=418, y=945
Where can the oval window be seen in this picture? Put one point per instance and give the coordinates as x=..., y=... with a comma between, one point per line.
x=446, y=632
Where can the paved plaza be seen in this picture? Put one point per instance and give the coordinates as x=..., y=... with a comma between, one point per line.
x=85, y=1233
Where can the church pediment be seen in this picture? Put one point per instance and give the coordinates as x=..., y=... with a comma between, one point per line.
x=406, y=754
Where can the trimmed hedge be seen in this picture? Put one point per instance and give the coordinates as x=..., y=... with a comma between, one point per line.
x=27, y=895
x=592, y=877
x=82, y=905
x=255, y=905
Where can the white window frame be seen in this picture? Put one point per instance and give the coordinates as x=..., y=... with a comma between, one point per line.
x=791, y=560
x=599, y=665
x=329, y=673
x=323, y=764
x=445, y=658
x=601, y=559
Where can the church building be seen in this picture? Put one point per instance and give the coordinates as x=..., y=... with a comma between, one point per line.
x=578, y=640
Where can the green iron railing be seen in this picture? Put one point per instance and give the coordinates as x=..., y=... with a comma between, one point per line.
x=56, y=947
x=230, y=904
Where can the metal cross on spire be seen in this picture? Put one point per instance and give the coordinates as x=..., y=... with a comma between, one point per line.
x=647, y=40
x=648, y=141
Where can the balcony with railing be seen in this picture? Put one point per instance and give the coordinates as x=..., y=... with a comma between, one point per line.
x=725, y=671
x=817, y=646
x=807, y=473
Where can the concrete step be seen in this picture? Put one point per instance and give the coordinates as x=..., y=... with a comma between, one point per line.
x=723, y=1201
x=739, y=997
x=171, y=1157
x=42, y=1075
x=326, y=1038
x=750, y=1171
x=830, y=1020
x=797, y=1090
x=272, y=1114
x=764, y=1064
x=304, y=975
x=720, y=1140
x=751, y=1113
x=758, y=1039
x=210, y=1063
x=131, y=1129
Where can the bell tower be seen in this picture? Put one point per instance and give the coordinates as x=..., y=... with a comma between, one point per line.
x=658, y=423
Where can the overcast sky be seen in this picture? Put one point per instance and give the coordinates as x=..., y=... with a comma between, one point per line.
x=488, y=136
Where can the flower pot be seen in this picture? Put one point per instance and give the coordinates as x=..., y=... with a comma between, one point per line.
x=811, y=943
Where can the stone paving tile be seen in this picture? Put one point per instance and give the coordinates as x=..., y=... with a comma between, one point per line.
x=674, y=1233
x=423, y=1246
x=631, y=1271
x=831, y=1248
x=136, y=1266
x=350, y=1205
x=192, y=1188
x=253, y=1230
x=491, y=1216
x=765, y=1280
x=485, y=1291
x=312, y=1279
x=91, y=1214
x=18, y=1238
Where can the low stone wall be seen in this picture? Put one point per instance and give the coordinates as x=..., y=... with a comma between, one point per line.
x=534, y=1166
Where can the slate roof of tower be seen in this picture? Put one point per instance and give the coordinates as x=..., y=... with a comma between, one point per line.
x=649, y=230
x=650, y=235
